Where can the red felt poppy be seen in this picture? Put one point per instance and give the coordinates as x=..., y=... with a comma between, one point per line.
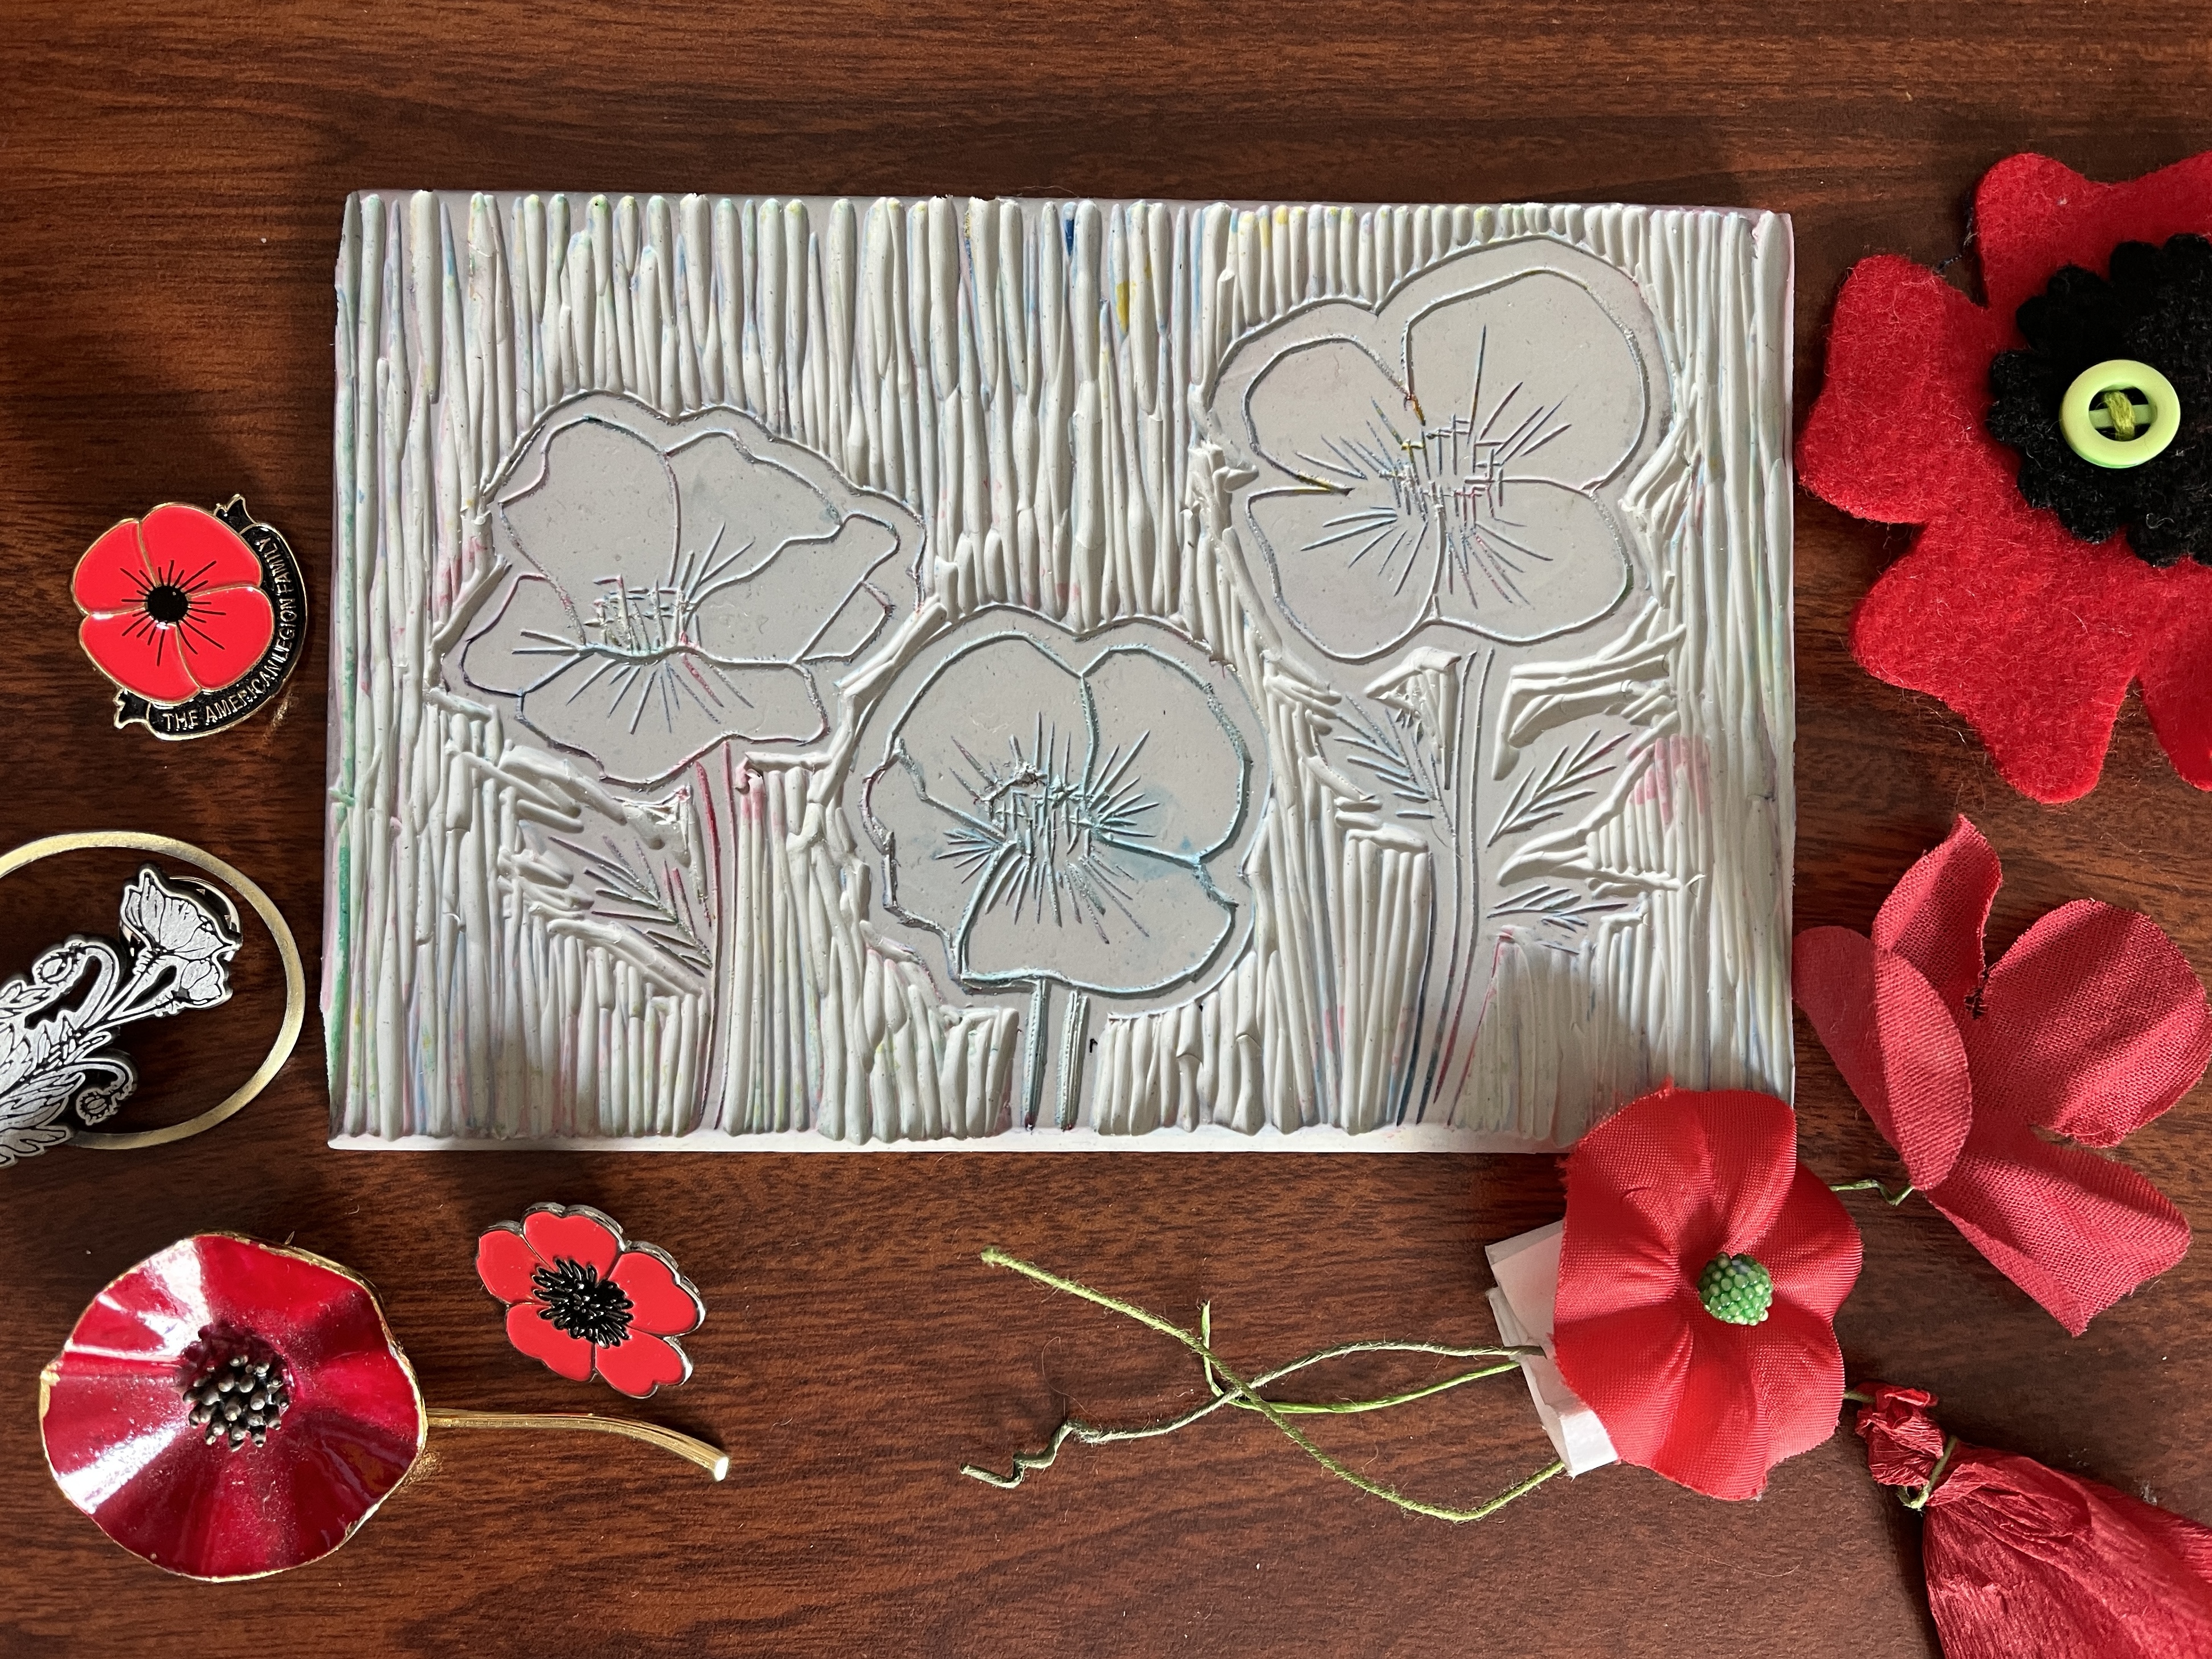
x=1699, y=1275
x=2023, y=1558
x=584, y=1300
x=2089, y=1027
x=172, y=605
x=228, y=1409
x=2031, y=635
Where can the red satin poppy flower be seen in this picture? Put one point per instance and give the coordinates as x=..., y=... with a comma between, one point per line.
x=1699, y=1275
x=228, y=1409
x=584, y=1300
x=2029, y=634
x=2090, y=1026
x=172, y=605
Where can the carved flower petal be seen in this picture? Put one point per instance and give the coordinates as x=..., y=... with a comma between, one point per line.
x=532, y=636
x=930, y=863
x=1353, y=571
x=606, y=506
x=643, y=719
x=1537, y=366
x=1548, y=561
x=786, y=607
x=1116, y=922
x=1001, y=703
x=736, y=507
x=1167, y=761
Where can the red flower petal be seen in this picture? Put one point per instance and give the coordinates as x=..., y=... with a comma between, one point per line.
x=1814, y=1252
x=1893, y=435
x=2093, y=1024
x=2032, y=214
x=1935, y=915
x=2029, y=635
x=223, y=635
x=643, y=1363
x=1629, y=1365
x=577, y=1235
x=2176, y=671
x=139, y=654
x=112, y=575
x=660, y=1302
x=2076, y=1231
x=1894, y=1042
x=1681, y=1174
x=505, y=1262
x=529, y=1329
x=195, y=549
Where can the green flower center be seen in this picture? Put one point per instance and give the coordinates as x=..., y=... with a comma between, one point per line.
x=1736, y=1289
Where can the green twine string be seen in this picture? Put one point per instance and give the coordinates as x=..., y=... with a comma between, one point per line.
x=1225, y=1388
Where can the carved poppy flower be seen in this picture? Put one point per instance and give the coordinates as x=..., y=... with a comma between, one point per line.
x=172, y=605
x=2090, y=1026
x=2028, y=632
x=1444, y=458
x=1064, y=811
x=228, y=1409
x=677, y=586
x=1699, y=1276
x=584, y=1300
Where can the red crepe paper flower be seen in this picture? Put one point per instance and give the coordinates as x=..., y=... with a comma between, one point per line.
x=2090, y=1026
x=172, y=605
x=584, y=1300
x=2031, y=635
x=228, y=1409
x=1699, y=1275
x=2023, y=1558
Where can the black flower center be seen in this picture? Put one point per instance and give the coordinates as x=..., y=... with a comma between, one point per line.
x=582, y=1305
x=237, y=1385
x=166, y=602
x=2154, y=307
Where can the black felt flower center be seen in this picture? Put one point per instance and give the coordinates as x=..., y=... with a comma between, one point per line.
x=580, y=1303
x=2154, y=307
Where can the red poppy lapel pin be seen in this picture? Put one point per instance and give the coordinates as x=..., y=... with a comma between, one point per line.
x=1994, y=1081
x=586, y=1301
x=199, y=617
x=2054, y=447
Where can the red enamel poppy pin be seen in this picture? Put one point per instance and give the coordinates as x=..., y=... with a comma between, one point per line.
x=199, y=617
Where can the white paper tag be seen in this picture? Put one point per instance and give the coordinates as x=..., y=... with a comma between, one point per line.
x=1527, y=1268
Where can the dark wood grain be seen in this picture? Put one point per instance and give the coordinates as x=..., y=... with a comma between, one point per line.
x=169, y=200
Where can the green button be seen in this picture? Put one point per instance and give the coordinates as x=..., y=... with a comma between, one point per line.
x=2120, y=413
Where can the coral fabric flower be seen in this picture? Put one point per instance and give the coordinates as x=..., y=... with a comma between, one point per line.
x=228, y=1409
x=584, y=1300
x=172, y=605
x=1699, y=1276
x=2029, y=634
x=2090, y=1026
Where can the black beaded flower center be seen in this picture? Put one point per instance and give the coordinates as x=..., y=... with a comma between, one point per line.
x=2154, y=307
x=237, y=1385
x=580, y=1303
x=166, y=602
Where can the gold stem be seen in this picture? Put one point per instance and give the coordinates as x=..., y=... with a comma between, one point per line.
x=712, y=1459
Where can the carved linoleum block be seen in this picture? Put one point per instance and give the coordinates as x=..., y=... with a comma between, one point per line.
x=1037, y=674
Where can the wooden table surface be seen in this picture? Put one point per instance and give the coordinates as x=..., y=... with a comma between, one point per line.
x=170, y=191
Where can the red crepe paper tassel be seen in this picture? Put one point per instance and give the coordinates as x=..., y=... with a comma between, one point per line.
x=2092, y=1025
x=2022, y=1559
